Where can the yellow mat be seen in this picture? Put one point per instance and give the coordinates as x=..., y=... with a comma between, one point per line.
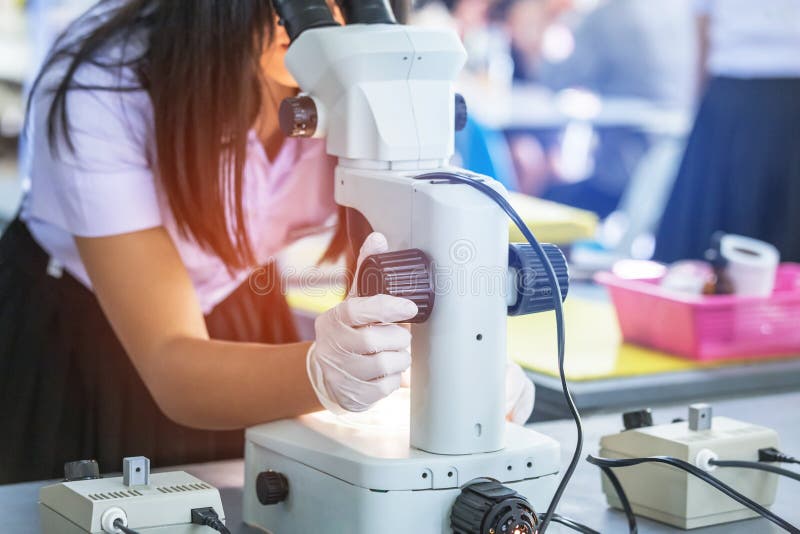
x=551, y=222
x=594, y=347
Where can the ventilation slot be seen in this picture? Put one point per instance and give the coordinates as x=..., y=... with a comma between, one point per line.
x=183, y=487
x=114, y=495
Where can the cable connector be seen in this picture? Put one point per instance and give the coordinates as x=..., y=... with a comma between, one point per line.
x=705, y=460
x=208, y=517
x=771, y=454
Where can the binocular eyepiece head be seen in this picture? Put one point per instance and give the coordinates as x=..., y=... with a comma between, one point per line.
x=298, y=16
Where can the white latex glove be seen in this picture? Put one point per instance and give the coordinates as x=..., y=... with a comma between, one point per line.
x=358, y=356
x=520, y=394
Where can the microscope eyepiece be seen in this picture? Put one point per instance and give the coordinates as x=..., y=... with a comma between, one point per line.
x=298, y=16
x=367, y=11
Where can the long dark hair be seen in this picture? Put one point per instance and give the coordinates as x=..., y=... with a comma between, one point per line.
x=200, y=68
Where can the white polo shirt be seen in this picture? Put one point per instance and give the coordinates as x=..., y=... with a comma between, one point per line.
x=108, y=186
x=753, y=38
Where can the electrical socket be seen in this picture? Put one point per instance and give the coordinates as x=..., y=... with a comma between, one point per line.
x=673, y=496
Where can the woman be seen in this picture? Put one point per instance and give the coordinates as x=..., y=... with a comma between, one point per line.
x=741, y=170
x=159, y=181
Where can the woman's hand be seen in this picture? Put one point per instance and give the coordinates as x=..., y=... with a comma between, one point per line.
x=520, y=394
x=359, y=355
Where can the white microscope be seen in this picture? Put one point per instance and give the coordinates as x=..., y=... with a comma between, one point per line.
x=382, y=95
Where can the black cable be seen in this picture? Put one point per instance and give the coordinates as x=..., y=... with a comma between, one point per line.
x=219, y=526
x=208, y=516
x=771, y=454
x=559, y=312
x=756, y=465
x=574, y=525
x=702, y=475
x=633, y=528
x=120, y=525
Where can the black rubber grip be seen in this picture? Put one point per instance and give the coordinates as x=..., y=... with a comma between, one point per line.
x=298, y=16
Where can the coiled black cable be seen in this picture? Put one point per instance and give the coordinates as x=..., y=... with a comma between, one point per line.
x=702, y=475
x=633, y=527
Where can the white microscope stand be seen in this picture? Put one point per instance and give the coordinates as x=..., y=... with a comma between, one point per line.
x=357, y=474
x=382, y=95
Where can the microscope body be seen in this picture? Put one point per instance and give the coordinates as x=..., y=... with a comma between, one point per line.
x=383, y=98
x=382, y=95
x=458, y=397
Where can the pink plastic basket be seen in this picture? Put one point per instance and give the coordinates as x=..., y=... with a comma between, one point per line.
x=711, y=327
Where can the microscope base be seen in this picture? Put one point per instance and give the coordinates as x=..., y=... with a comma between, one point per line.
x=353, y=478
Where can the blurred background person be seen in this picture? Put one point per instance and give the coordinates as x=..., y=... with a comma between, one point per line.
x=536, y=31
x=489, y=67
x=631, y=49
x=617, y=49
x=538, y=34
x=476, y=22
x=741, y=169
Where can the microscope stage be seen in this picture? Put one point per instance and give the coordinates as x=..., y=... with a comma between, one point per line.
x=371, y=450
x=357, y=474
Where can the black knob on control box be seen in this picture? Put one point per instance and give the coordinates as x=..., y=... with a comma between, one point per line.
x=271, y=487
x=637, y=419
x=81, y=470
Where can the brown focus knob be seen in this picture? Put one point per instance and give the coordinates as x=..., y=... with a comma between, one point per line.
x=405, y=273
x=298, y=116
x=271, y=487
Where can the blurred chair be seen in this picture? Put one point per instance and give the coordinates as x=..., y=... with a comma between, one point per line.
x=485, y=151
x=643, y=203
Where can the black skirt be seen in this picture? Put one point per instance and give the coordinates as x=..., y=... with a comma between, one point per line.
x=741, y=170
x=67, y=388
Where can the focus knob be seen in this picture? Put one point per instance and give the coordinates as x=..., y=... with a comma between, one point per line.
x=298, y=116
x=461, y=112
x=488, y=507
x=405, y=273
x=271, y=487
x=81, y=470
x=533, y=289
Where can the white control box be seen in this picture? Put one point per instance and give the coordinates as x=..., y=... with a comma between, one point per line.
x=163, y=505
x=675, y=497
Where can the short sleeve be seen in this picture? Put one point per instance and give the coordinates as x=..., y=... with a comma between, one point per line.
x=104, y=184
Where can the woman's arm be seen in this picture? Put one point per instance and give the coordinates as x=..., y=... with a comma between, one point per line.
x=146, y=293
